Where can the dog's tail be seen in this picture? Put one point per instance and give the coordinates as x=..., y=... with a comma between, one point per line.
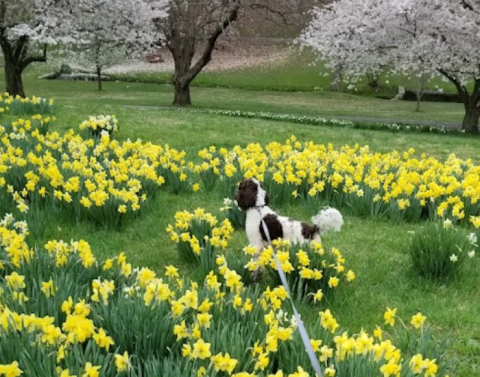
x=328, y=219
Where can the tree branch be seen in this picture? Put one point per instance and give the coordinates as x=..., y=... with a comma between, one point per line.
x=207, y=53
x=469, y=6
x=18, y=51
x=3, y=10
x=475, y=98
x=35, y=58
x=462, y=90
x=278, y=13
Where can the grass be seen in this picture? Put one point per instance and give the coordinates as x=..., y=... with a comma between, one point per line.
x=289, y=76
x=260, y=89
x=301, y=103
x=300, y=71
x=376, y=251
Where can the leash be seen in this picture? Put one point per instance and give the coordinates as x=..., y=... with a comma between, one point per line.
x=301, y=327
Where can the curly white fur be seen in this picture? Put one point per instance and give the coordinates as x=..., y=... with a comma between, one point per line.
x=328, y=219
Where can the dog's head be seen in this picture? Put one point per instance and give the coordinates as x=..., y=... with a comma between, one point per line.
x=251, y=194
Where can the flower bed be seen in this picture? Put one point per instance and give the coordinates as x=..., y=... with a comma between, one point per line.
x=64, y=313
x=17, y=105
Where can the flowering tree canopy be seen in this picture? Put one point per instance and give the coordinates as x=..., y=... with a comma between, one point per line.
x=434, y=37
x=105, y=31
x=27, y=27
x=345, y=34
x=97, y=29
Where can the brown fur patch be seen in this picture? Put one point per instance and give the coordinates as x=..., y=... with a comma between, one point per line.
x=309, y=232
x=247, y=194
x=274, y=227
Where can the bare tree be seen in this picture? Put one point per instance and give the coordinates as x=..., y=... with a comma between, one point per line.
x=194, y=27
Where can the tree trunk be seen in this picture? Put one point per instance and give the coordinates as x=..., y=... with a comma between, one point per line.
x=373, y=80
x=422, y=80
x=13, y=77
x=471, y=102
x=471, y=119
x=419, y=94
x=336, y=79
x=16, y=60
x=183, y=56
x=99, y=78
x=182, y=95
x=374, y=83
x=182, y=45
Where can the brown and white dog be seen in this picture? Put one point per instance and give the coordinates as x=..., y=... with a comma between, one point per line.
x=252, y=198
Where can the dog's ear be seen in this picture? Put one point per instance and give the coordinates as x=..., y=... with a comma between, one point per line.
x=247, y=194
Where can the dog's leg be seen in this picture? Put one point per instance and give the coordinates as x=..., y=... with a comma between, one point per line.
x=317, y=238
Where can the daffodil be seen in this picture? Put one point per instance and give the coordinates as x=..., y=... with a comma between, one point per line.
x=201, y=350
x=418, y=320
x=389, y=316
x=122, y=362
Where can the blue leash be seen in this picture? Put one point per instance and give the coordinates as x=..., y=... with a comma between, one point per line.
x=301, y=327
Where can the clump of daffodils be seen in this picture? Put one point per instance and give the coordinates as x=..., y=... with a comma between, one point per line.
x=13, y=235
x=311, y=271
x=20, y=127
x=199, y=236
x=209, y=169
x=101, y=124
x=106, y=182
x=17, y=105
x=80, y=317
x=173, y=167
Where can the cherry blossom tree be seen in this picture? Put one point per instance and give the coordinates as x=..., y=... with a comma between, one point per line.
x=421, y=37
x=194, y=27
x=107, y=31
x=346, y=34
x=27, y=28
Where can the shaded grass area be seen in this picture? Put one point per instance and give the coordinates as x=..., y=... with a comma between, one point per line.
x=376, y=251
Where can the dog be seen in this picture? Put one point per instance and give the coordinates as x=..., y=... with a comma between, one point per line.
x=252, y=198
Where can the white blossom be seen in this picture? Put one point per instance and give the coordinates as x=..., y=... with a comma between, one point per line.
x=41, y=21
x=108, y=31
x=424, y=38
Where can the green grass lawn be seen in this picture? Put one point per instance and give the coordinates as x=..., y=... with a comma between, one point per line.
x=258, y=89
x=300, y=71
x=292, y=75
x=376, y=251
x=75, y=94
x=303, y=72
